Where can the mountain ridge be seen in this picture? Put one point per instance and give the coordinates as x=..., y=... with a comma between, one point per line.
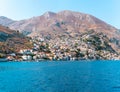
x=72, y=32
x=68, y=23
x=6, y=21
x=64, y=21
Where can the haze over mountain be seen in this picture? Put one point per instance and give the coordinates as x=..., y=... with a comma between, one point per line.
x=6, y=21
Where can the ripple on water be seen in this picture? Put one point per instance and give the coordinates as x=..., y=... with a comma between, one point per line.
x=60, y=77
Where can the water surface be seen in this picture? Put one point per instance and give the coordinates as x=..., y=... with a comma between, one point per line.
x=75, y=76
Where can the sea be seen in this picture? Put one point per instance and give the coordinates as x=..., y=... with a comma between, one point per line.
x=60, y=76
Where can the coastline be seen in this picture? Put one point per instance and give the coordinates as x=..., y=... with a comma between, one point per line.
x=86, y=60
x=3, y=60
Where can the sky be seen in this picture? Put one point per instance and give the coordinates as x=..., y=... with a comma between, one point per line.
x=106, y=10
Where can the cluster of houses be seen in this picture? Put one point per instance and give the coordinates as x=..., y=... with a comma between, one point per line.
x=61, y=50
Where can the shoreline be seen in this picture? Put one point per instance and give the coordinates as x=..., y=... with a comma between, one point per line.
x=5, y=60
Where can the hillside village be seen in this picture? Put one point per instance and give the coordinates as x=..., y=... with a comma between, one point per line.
x=66, y=35
x=87, y=46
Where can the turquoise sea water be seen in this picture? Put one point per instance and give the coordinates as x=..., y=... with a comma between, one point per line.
x=60, y=76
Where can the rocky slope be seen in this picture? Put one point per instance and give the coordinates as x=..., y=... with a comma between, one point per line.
x=65, y=22
x=55, y=27
x=12, y=41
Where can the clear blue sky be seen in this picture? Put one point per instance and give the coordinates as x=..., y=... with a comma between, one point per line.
x=107, y=10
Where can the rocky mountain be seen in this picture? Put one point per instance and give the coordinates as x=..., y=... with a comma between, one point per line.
x=62, y=23
x=12, y=41
x=66, y=25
